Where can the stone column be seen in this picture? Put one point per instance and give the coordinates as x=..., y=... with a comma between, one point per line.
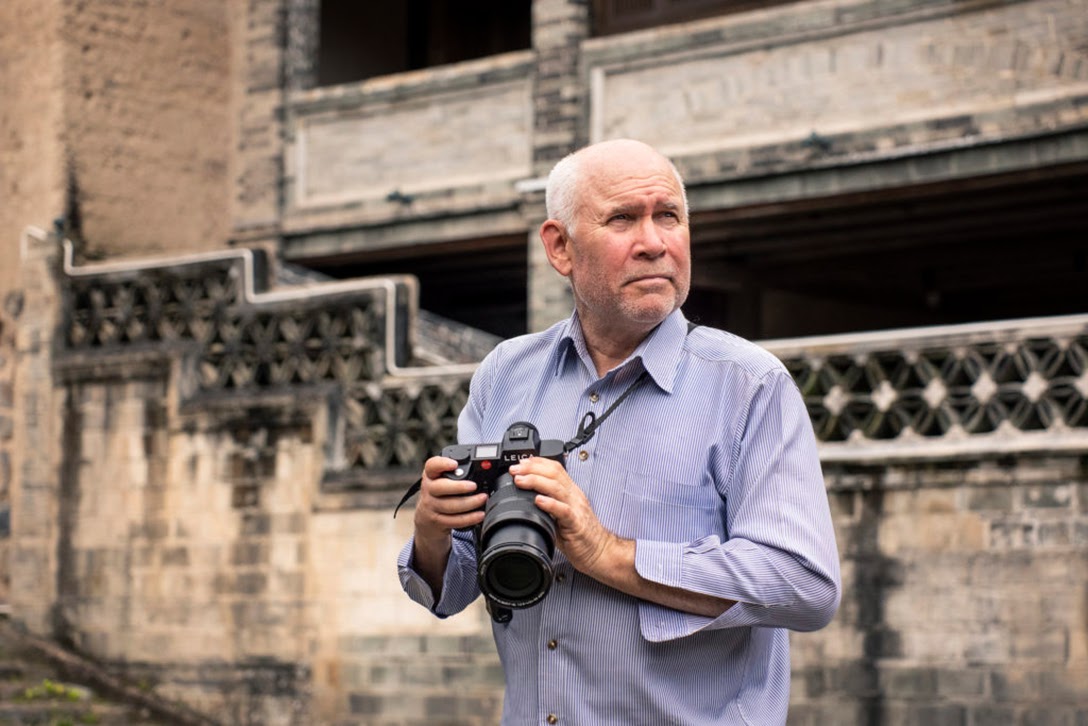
x=260, y=57
x=559, y=126
x=38, y=402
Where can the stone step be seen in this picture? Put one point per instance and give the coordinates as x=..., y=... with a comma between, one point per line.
x=62, y=712
x=41, y=683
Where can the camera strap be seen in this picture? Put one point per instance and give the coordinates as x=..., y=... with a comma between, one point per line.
x=586, y=428
x=591, y=422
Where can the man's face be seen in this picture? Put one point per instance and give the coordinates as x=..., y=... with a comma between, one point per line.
x=630, y=261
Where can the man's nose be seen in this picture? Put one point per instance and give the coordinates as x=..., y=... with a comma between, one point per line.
x=650, y=241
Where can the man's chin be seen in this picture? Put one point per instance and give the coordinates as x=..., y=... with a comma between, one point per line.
x=651, y=312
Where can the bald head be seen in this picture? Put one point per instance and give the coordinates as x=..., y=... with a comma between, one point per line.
x=566, y=180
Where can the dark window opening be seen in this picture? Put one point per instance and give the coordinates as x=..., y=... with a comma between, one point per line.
x=360, y=40
x=622, y=16
x=968, y=251
x=481, y=283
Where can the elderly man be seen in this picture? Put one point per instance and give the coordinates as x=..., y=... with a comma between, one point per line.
x=692, y=530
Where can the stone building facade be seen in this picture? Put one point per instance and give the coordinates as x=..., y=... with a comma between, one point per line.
x=202, y=429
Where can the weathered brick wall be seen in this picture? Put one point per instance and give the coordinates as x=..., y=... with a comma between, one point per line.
x=148, y=123
x=964, y=596
x=31, y=157
x=184, y=555
x=380, y=658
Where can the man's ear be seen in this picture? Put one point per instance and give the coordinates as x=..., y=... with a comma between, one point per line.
x=556, y=246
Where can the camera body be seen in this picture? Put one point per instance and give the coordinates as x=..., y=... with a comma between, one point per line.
x=516, y=540
x=485, y=463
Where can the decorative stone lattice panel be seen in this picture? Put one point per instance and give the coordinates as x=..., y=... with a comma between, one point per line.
x=972, y=388
x=1021, y=385
x=240, y=341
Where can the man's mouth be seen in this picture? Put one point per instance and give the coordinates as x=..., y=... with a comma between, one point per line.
x=658, y=277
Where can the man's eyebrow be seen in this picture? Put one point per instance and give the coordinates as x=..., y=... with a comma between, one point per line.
x=669, y=206
x=622, y=209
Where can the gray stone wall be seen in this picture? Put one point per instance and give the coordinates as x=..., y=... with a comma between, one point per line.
x=184, y=555
x=746, y=81
x=963, y=596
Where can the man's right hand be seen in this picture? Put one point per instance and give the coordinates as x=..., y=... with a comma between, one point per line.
x=444, y=505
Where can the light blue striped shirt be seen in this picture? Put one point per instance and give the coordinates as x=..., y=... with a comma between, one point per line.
x=712, y=469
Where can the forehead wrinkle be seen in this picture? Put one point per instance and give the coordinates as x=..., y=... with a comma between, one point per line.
x=639, y=198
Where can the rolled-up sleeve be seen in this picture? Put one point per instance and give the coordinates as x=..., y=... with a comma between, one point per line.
x=780, y=562
x=459, y=584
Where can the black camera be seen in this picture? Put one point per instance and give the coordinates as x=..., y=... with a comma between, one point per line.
x=516, y=540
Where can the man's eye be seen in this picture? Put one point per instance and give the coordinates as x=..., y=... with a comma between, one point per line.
x=619, y=218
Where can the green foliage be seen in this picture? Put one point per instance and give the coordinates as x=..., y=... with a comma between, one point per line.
x=51, y=690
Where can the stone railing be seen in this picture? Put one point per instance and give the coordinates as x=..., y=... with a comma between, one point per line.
x=936, y=392
x=918, y=393
x=235, y=337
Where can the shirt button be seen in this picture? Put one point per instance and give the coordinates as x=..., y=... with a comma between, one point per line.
x=552, y=718
x=583, y=455
x=553, y=644
x=593, y=397
x=560, y=577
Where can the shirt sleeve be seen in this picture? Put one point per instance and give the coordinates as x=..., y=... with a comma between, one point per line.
x=459, y=584
x=780, y=562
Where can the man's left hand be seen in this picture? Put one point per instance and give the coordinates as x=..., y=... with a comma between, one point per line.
x=579, y=534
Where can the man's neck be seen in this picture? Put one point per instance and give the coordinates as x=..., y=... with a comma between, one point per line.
x=608, y=347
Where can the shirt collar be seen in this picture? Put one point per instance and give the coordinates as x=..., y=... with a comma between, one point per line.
x=659, y=354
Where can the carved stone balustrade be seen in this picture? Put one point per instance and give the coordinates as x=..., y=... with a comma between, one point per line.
x=238, y=339
x=919, y=393
x=1017, y=385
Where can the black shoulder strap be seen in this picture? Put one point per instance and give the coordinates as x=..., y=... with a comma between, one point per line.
x=588, y=426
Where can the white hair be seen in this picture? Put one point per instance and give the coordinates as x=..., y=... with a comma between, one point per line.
x=565, y=179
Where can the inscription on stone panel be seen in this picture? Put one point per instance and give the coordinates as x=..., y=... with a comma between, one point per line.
x=437, y=142
x=975, y=63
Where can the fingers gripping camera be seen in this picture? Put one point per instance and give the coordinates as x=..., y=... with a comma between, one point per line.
x=516, y=540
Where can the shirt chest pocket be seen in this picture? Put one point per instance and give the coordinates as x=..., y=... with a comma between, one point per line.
x=668, y=511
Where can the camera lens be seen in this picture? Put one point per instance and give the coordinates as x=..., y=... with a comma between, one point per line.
x=514, y=576
x=517, y=542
